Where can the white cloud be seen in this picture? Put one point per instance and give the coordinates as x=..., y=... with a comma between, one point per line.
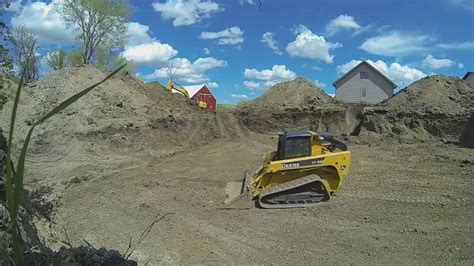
x=299, y=29
x=252, y=85
x=341, y=23
x=250, y=2
x=402, y=75
x=278, y=73
x=465, y=4
x=460, y=65
x=138, y=34
x=239, y=96
x=43, y=20
x=396, y=44
x=312, y=46
x=15, y=6
x=154, y=53
x=457, y=46
x=187, y=71
x=186, y=12
x=436, y=63
x=206, y=51
x=320, y=84
x=267, y=38
x=270, y=77
x=212, y=85
x=233, y=35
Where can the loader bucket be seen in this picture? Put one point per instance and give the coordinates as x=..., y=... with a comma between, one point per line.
x=238, y=194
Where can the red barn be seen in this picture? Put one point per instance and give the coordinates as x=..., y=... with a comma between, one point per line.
x=202, y=95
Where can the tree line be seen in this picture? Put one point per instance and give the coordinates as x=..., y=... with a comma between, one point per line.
x=101, y=27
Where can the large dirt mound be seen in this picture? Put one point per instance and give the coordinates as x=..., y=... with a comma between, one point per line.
x=292, y=94
x=436, y=106
x=467, y=136
x=297, y=104
x=121, y=104
x=7, y=90
x=109, y=129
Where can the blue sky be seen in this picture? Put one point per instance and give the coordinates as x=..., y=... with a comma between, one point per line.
x=239, y=52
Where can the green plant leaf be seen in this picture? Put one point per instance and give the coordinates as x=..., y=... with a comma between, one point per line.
x=8, y=167
x=21, y=160
x=14, y=180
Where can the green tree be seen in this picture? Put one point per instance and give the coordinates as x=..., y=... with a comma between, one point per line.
x=102, y=23
x=57, y=60
x=105, y=58
x=6, y=61
x=24, y=49
x=129, y=68
x=108, y=60
x=76, y=58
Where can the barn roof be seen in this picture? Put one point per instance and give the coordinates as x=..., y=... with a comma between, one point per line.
x=467, y=74
x=370, y=66
x=193, y=89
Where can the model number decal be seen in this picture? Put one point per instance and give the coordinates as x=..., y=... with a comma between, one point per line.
x=302, y=163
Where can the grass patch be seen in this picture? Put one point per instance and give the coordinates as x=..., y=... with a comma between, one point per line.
x=225, y=107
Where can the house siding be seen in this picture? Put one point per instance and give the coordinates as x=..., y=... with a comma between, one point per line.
x=470, y=79
x=377, y=87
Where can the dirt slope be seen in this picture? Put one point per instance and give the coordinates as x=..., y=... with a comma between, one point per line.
x=467, y=136
x=436, y=106
x=296, y=104
x=104, y=130
x=121, y=103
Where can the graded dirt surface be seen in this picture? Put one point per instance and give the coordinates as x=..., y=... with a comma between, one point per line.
x=104, y=169
x=402, y=204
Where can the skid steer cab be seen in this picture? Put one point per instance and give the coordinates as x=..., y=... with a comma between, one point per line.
x=304, y=171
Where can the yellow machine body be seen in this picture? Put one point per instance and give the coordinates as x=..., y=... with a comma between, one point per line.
x=174, y=86
x=330, y=171
x=325, y=164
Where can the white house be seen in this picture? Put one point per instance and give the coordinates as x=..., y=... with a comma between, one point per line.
x=469, y=78
x=363, y=84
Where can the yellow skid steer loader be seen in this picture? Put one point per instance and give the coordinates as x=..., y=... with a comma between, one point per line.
x=305, y=170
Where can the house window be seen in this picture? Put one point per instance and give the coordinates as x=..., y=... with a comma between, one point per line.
x=364, y=75
x=364, y=93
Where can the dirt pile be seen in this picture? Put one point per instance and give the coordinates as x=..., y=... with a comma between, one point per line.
x=297, y=104
x=7, y=89
x=436, y=106
x=121, y=104
x=103, y=130
x=467, y=136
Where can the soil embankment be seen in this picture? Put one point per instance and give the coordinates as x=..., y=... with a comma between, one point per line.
x=297, y=104
x=434, y=107
x=106, y=167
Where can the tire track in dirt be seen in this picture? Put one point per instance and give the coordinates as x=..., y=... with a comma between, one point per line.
x=229, y=126
x=424, y=196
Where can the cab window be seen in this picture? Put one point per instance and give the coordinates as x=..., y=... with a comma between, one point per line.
x=297, y=147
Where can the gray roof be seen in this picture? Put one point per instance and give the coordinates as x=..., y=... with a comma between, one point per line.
x=369, y=65
x=467, y=74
